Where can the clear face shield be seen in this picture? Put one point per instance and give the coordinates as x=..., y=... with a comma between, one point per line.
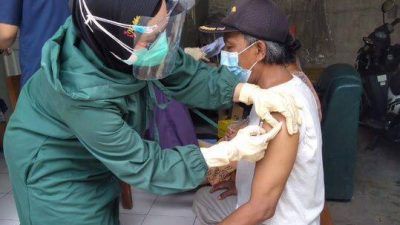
x=156, y=40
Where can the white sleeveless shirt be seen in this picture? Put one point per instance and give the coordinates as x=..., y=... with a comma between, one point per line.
x=303, y=197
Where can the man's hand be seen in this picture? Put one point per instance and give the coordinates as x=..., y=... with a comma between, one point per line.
x=228, y=186
x=231, y=133
x=8, y=34
x=234, y=128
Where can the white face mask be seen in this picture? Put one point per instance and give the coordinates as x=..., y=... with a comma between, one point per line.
x=231, y=60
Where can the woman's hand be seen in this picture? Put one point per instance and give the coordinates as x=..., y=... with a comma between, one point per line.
x=271, y=100
x=249, y=144
x=228, y=186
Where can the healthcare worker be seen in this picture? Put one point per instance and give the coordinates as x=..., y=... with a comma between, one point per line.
x=79, y=121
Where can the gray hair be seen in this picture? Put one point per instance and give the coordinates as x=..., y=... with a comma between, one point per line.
x=277, y=53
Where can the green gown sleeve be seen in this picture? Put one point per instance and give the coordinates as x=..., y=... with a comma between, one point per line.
x=143, y=164
x=196, y=84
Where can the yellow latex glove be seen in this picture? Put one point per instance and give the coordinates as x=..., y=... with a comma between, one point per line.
x=197, y=54
x=272, y=100
x=249, y=144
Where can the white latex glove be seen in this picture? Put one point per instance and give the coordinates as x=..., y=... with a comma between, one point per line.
x=272, y=100
x=249, y=144
x=197, y=54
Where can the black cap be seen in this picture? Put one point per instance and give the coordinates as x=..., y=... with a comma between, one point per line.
x=262, y=19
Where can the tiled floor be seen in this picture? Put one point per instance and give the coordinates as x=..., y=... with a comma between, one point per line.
x=148, y=209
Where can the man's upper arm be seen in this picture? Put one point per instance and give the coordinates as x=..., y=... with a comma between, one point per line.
x=8, y=34
x=10, y=20
x=269, y=179
x=274, y=169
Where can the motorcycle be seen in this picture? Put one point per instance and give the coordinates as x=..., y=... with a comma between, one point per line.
x=378, y=63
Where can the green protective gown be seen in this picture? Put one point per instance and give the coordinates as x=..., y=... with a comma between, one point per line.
x=77, y=128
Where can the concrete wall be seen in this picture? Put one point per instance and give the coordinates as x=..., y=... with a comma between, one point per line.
x=348, y=20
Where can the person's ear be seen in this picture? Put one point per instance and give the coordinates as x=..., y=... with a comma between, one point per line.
x=261, y=50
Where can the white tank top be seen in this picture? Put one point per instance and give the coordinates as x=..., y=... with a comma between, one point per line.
x=303, y=197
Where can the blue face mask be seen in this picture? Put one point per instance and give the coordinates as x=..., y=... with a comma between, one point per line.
x=231, y=61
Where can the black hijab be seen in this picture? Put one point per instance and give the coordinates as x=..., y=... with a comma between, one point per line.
x=123, y=11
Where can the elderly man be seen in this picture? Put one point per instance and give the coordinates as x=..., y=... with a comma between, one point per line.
x=287, y=186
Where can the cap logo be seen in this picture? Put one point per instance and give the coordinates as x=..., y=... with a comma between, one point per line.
x=206, y=28
x=234, y=9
